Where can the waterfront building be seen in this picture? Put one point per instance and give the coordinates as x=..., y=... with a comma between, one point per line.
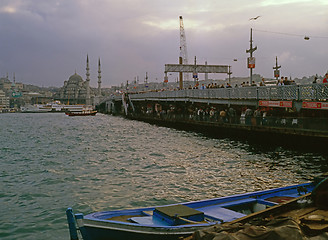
x=12, y=91
x=4, y=101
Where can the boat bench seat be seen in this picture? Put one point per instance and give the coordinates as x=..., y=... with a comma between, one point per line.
x=220, y=214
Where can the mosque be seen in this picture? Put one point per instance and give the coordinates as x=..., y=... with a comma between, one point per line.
x=78, y=91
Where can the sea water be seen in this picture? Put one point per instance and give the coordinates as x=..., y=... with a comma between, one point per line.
x=49, y=162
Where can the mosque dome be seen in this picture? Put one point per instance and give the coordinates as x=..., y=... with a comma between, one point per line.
x=75, y=79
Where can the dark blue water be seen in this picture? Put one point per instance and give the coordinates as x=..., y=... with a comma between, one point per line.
x=49, y=162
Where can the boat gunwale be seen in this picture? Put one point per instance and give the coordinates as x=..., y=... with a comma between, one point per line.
x=133, y=227
x=258, y=195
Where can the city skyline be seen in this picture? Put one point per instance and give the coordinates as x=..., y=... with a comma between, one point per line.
x=46, y=42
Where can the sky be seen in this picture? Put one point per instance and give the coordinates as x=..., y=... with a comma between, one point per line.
x=45, y=42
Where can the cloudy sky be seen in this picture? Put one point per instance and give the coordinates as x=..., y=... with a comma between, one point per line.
x=46, y=41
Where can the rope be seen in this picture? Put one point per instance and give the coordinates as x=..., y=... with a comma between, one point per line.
x=289, y=34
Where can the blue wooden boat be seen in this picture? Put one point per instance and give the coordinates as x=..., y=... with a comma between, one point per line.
x=176, y=220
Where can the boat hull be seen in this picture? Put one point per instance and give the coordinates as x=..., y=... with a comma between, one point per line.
x=93, y=113
x=137, y=233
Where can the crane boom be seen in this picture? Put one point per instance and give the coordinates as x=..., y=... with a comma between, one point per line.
x=183, y=43
x=183, y=46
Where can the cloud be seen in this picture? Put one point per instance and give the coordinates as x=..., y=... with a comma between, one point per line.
x=44, y=42
x=8, y=9
x=268, y=3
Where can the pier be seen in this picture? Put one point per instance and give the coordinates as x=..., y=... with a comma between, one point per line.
x=290, y=114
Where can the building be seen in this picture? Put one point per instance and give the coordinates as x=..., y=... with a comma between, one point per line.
x=78, y=91
x=12, y=91
x=7, y=86
x=74, y=90
x=4, y=101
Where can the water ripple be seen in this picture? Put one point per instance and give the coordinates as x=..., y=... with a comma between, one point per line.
x=49, y=162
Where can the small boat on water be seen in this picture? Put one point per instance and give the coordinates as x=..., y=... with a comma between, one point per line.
x=82, y=113
x=177, y=220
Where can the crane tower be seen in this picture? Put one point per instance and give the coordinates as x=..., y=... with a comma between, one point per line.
x=183, y=43
x=183, y=46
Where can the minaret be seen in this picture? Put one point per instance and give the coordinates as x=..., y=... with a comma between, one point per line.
x=13, y=84
x=87, y=100
x=99, y=78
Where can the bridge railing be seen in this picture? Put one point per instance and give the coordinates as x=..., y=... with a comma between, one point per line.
x=289, y=92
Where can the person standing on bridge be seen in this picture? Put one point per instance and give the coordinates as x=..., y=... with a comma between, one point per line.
x=262, y=83
x=325, y=80
x=223, y=116
x=248, y=116
x=315, y=79
x=232, y=115
x=258, y=115
x=281, y=82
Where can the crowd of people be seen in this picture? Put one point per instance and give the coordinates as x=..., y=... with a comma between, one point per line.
x=280, y=82
x=210, y=85
x=260, y=116
x=209, y=113
x=284, y=81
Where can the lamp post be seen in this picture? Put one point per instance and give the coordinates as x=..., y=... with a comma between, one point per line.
x=276, y=69
x=251, y=59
